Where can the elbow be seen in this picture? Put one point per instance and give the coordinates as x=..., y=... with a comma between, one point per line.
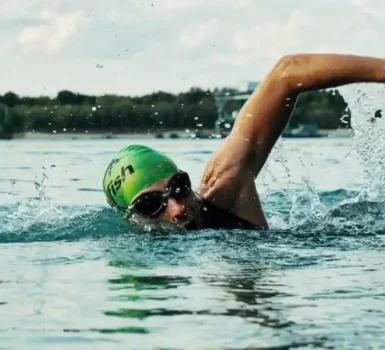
x=287, y=72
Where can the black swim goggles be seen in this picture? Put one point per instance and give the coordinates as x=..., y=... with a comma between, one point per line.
x=152, y=204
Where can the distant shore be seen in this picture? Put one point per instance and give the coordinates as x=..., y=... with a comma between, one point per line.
x=80, y=136
x=174, y=134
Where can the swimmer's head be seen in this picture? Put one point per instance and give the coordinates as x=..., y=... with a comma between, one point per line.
x=147, y=185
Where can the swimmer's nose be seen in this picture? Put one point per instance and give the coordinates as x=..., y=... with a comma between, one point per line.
x=175, y=210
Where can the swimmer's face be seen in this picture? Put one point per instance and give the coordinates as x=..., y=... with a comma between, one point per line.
x=183, y=212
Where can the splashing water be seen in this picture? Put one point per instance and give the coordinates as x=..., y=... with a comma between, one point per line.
x=368, y=146
x=369, y=142
x=39, y=218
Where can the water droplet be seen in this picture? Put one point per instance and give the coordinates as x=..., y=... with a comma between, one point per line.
x=227, y=126
x=93, y=109
x=344, y=119
x=54, y=131
x=64, y=129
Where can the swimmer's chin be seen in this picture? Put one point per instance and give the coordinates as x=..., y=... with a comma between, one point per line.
x=180, y=226
x=165, y=227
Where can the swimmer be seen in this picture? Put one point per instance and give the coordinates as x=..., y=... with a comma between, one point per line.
x=149, y=188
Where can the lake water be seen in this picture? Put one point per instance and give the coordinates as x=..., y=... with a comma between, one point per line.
x=74, y=275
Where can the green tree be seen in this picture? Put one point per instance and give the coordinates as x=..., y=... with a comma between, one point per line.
x=10, y=99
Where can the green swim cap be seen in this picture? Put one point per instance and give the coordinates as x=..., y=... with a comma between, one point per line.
x=134, y=168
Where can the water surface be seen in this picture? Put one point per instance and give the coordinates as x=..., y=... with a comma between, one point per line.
x=73, y=274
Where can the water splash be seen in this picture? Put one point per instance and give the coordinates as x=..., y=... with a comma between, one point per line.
x=305, y=209
x=41, y=219
x=38, y=209
x=65, y=223
x=365, y=100
x=304, y=203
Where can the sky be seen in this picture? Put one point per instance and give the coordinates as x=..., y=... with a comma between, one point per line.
x=135, y=47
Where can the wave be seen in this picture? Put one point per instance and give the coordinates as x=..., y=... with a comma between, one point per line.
x=54, y=223
x=294, y=220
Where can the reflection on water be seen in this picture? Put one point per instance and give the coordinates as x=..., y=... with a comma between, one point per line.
x=242, y=295
x=254, y=298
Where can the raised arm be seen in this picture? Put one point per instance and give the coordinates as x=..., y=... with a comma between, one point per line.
x=266, y=113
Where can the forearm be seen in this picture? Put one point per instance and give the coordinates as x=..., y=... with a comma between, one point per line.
x=306, y=72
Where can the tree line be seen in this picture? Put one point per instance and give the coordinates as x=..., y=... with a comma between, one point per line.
x=156, y=112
